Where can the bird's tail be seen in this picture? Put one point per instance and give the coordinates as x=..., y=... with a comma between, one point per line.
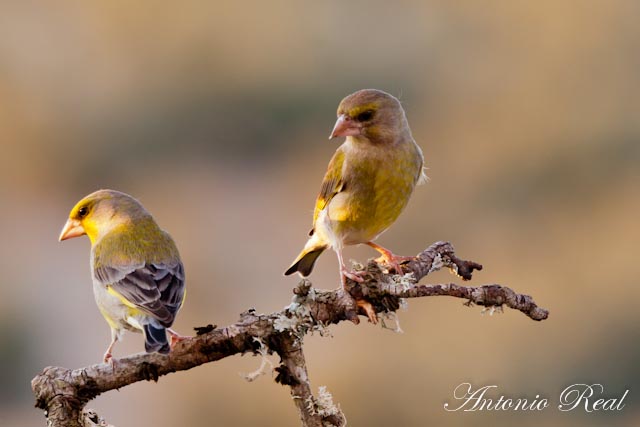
x=305, y=261
x=155, y=338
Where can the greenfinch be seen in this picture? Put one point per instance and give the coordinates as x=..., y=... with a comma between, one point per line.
x=138, y=278
x=368, y=182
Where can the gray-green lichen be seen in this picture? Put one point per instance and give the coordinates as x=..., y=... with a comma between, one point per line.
x=297, y=318
x=323, y=404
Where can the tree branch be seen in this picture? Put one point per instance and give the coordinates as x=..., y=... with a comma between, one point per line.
x=63, y=393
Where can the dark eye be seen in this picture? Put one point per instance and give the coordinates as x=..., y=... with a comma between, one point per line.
x=83, y=211
x=364, y=116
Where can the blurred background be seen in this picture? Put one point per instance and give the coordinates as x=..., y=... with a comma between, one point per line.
x=216, y=116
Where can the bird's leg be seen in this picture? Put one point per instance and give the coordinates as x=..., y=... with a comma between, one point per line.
x=346, y=273
x=176, y=337
x=107, y=354
x=360, y=303
x=389, y=258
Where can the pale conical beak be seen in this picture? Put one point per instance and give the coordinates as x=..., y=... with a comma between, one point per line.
x=71, y=229
x=345, y=126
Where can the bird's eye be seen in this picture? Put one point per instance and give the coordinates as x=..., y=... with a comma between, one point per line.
x=364, y=116
x=83, y=211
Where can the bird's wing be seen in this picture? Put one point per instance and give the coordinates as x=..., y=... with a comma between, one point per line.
x=332, y=184
x=155, y=288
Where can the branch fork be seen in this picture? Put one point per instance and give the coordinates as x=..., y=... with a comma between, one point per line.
x=64, y=393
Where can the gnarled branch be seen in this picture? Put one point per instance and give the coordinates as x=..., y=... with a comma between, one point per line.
x=63, y=393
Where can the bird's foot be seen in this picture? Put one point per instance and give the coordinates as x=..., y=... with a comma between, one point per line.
x=356, y=276
x=389, y=258
x=393, y=261
x=176, y=338
x=361, y=303
x=108, y=359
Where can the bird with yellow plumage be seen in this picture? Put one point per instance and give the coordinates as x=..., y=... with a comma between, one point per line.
x=368, y=182
x=138, y=277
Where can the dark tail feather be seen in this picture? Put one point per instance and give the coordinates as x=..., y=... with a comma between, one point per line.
x=304, y=264
x=155, y=339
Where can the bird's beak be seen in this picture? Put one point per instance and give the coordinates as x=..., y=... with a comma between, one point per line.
x=71, y=229
x=345, y=126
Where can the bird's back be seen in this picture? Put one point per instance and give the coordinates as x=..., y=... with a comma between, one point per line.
x=137, y=272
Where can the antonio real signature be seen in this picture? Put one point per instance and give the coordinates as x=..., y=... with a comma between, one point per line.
x=576, y=397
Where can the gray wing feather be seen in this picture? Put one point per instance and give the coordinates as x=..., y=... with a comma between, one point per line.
x=155, y=288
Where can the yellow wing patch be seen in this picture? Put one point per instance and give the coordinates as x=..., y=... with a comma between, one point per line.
x=332, y=183
x=133, y=310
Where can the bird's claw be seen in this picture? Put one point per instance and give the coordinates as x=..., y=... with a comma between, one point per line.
x=356, y=276
x=393, y=261
x=108, y=359
x=176, y=338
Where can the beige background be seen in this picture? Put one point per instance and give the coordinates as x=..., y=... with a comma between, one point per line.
x=215, y=115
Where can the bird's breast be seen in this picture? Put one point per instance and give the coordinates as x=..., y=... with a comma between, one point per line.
x=378, y=185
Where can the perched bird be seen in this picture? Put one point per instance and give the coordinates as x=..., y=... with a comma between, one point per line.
x=368, y=182
x=138, y=278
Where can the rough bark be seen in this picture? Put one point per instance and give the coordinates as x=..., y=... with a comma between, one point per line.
x=63, y=393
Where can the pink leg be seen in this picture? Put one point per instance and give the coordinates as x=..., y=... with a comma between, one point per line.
x=389, y=257
x=107, y=354
x=176, y=337
x=356, y=276
x=346, y=273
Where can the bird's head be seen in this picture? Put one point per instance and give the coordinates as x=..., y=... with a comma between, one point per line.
x=373, y=115
x=100, y=212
